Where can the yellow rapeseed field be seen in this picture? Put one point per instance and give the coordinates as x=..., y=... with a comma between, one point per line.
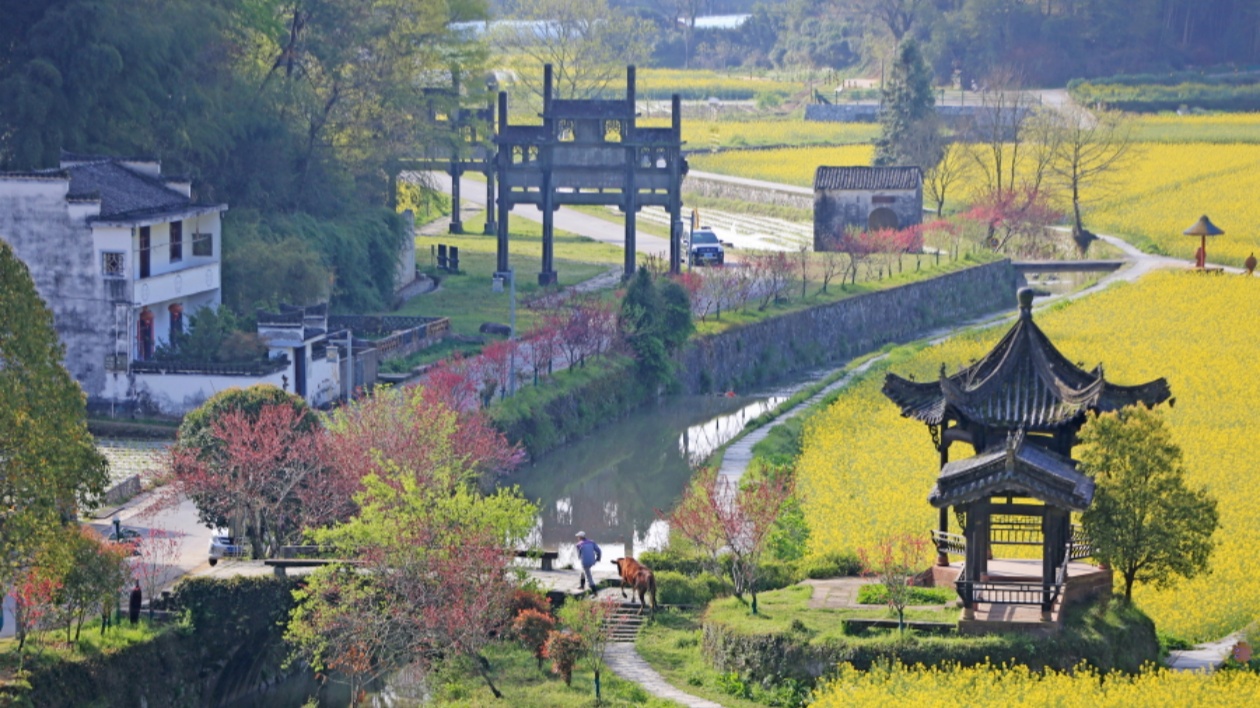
x=865, y=472
x=700, y=134
x=1016, y=687
x=1160, y=193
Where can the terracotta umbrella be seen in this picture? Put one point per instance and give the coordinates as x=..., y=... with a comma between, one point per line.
x=1202, y=228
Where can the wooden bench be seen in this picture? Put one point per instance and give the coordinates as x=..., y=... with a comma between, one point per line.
x=548, y=558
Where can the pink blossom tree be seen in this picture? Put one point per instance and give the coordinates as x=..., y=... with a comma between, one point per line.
x=722, y=515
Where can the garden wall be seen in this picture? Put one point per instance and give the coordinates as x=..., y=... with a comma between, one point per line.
x=721, y=187
x=773, y=348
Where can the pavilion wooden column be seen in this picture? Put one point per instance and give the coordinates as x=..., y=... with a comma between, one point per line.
x=942, y=557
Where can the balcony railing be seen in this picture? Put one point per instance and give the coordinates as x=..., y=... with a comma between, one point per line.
x=212, y=368
x=180, y=283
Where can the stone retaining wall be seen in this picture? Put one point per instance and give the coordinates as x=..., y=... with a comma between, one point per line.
x=720, y=189
x=773, y=348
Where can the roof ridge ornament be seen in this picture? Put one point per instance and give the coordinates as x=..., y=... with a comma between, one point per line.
x=1025, y=297
x=1014, y=441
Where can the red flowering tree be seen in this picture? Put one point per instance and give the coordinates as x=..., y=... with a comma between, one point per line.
x=455, y=381
x=720, y=515
x=413, y=429
x=35, y=606
x=895, y=561
x=250, y=469
x=1014, y=215
x=531, y=627
x=431, y=576
x=498, y=359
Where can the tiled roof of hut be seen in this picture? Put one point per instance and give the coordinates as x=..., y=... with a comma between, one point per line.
x=1017, y=468
x=1024, y=382
x=867, y=178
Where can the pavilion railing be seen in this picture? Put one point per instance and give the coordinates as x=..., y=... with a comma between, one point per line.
x=951, y=543
x=1081, y=547
x=1015, y=532
x=1007, y=593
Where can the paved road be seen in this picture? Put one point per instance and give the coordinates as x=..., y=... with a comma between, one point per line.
x=565, y=219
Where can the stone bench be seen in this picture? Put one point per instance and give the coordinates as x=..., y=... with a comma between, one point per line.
x=548, y=558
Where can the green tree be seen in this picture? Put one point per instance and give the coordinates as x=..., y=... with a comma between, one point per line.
x=588, y=44
x=1145, y=522
x=49, y=465
x=909, y=131
x=641, y=324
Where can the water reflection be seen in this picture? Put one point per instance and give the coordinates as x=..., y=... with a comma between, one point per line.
x=611, y=484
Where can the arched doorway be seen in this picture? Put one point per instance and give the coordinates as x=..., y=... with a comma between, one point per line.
x=882, y=218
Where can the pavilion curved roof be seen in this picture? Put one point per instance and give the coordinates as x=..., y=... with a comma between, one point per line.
x=1024, y=382
x=1014, y=467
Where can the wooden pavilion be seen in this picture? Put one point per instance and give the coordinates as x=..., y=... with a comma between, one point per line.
x=1020, y=408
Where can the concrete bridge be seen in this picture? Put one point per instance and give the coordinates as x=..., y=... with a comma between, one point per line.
x=1091, y=266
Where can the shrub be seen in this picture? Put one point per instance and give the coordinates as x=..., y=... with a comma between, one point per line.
x=523, y=599
x=564, y=648
x=877, y=594
x=674, y=588
x=833, y=564
x=533, y=628
x=670, y=560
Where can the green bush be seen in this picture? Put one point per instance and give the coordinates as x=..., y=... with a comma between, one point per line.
x=877, y=594
x=670, y=560
x=833, y=564
x=674, y=588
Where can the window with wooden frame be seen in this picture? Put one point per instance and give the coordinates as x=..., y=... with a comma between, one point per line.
x=177, y=241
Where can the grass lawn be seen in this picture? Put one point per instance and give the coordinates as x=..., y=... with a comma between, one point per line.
x=515, y=673
x=671, y=643
x=53, y=647
x=781, y=610
x=467, y=299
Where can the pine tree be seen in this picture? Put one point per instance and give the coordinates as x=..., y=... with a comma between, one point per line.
x=908, y=118
x=49, y=465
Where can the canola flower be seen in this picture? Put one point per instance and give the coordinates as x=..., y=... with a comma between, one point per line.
x=1161, y=191
x=1017, y=686
x=865, y=472
x=701, y=134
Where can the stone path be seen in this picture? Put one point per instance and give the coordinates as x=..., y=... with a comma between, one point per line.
x=624, y=661
x=836, y=593
x=1206, y=657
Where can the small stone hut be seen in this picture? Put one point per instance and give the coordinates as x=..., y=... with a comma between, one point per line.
x=868, y=198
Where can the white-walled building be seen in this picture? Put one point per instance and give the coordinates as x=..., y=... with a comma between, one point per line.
x=121, y=253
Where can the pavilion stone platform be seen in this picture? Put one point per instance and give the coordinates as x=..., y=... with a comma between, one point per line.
x=1084, y=583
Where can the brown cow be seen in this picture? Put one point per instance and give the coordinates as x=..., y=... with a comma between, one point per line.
x=640, y=578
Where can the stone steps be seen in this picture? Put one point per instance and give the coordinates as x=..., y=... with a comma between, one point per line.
x=625, y=622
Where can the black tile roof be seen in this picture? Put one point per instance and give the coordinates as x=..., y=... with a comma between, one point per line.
x=123, y=191
x=1014, y=467
x=1024, y=382
x=867, y=178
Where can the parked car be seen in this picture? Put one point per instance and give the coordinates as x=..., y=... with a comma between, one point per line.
x=705, y=248
x=223, y=545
